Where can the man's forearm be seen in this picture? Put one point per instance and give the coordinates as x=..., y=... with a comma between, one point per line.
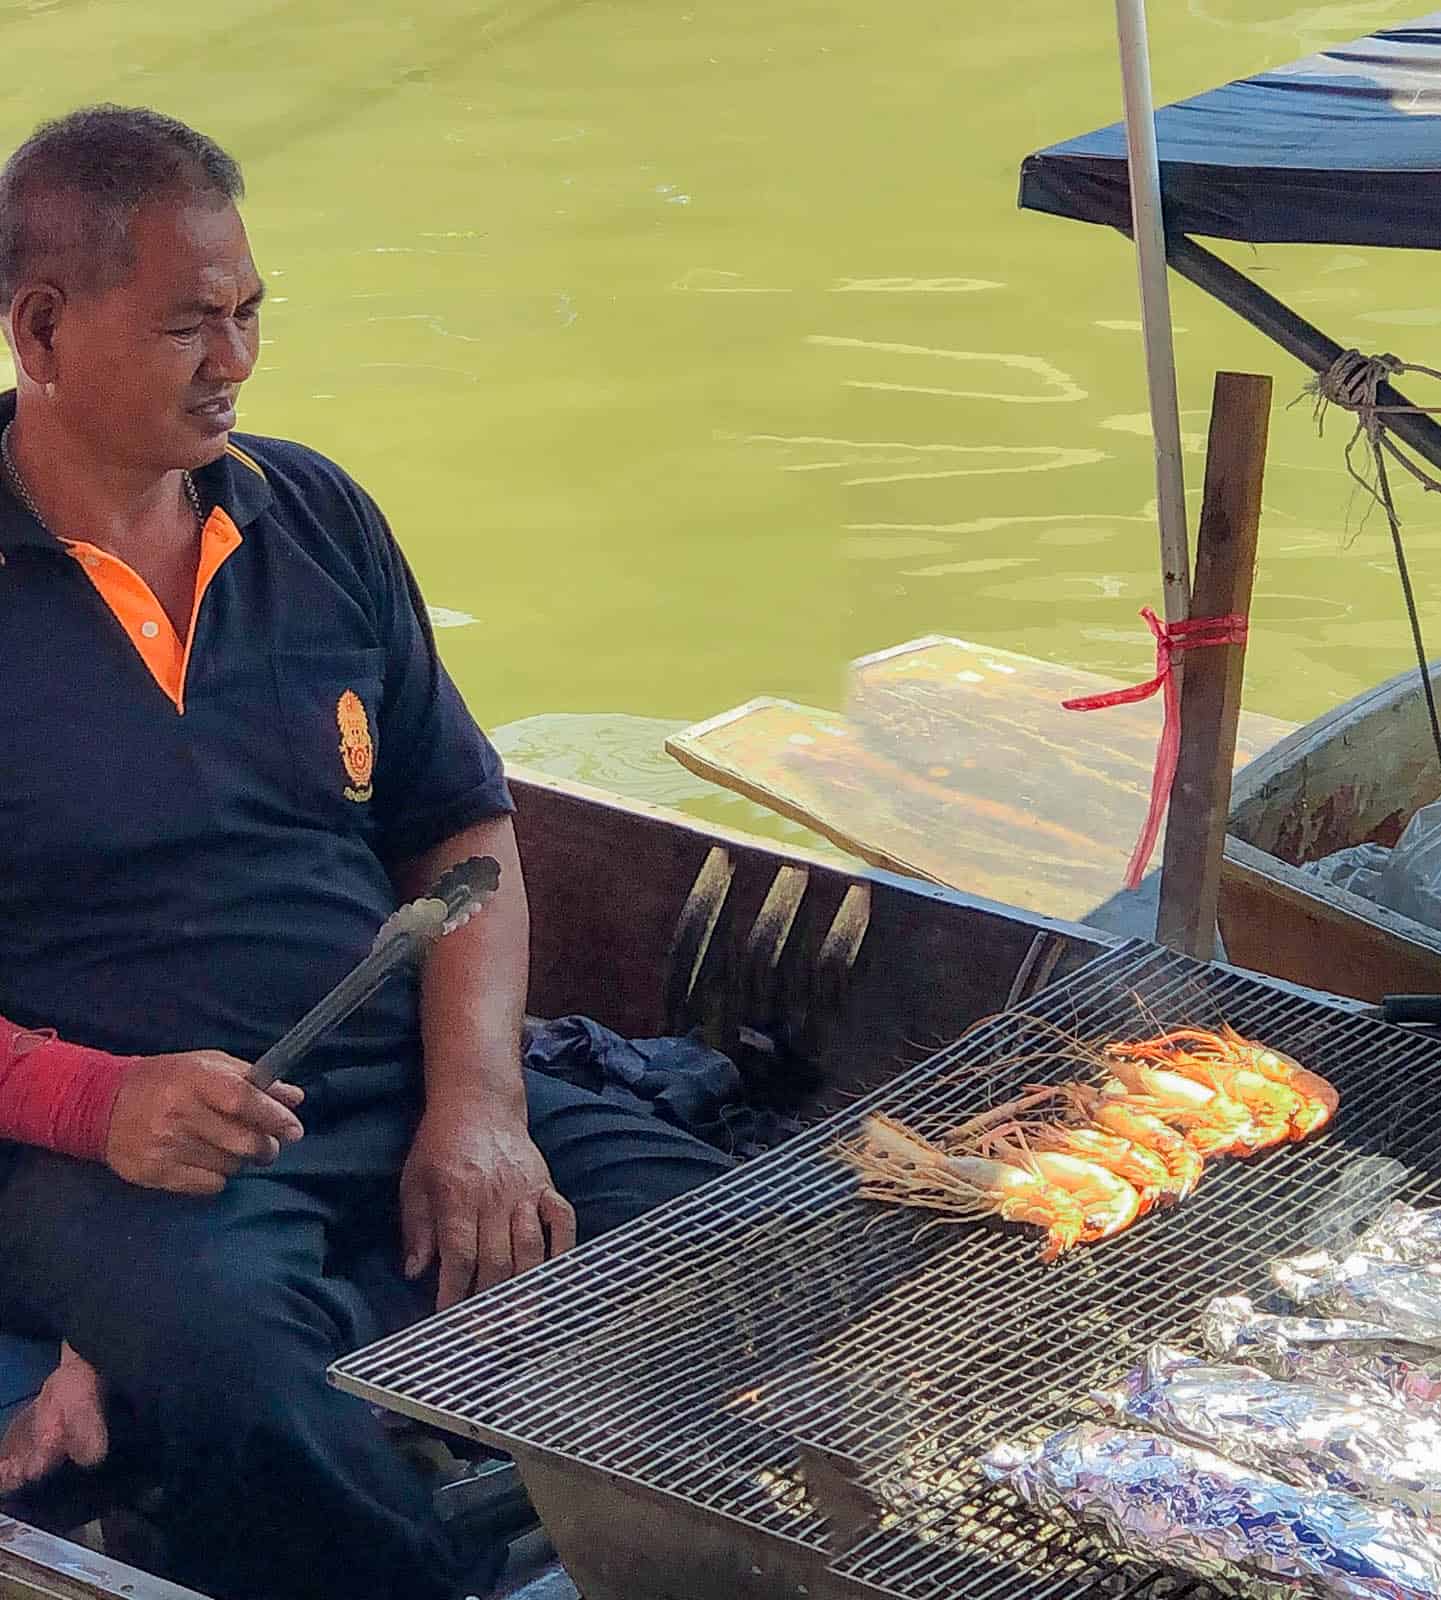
x=473, y=985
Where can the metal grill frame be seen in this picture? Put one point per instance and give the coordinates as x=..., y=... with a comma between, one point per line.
x=672, y=1360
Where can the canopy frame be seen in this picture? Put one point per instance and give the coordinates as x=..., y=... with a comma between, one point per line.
x=1299, y=338
x=1342, y=147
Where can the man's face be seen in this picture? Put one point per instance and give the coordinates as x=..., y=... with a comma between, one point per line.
x=148, y=372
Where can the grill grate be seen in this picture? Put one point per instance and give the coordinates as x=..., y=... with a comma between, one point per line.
x=698, y=1350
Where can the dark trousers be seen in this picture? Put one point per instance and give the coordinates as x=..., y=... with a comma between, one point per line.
x=214, y=1321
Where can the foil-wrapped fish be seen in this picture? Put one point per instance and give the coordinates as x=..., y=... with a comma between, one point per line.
x=1338, y=1353
x=1312, y=1436
x=1402, y=1298
x=1403, y=1233
x=1231, y=1326
x=1147, y=1496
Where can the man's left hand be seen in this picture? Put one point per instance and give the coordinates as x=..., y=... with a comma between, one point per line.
x=479, y=1197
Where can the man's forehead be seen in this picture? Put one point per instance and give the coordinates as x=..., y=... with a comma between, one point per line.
x=194, y=252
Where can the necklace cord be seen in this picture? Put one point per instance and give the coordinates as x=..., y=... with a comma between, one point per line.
x=22, y=489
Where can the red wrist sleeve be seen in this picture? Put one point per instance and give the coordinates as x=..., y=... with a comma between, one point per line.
x=55, y=1095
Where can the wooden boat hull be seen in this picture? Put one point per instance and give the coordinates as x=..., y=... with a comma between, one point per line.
x=1353, y=776
x=608, y=879
x=832, y=978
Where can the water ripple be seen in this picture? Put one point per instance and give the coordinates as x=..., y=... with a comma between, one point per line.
x=1067, y=389
x=616, y=751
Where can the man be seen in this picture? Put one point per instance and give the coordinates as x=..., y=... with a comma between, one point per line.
x=228, y=749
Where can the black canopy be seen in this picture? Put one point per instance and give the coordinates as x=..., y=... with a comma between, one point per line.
x=1341, y=148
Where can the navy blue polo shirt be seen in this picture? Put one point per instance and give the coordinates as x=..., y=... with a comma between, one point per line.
x=195, y=870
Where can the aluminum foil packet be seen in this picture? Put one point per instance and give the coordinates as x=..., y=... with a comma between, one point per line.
x=1403, y=1233
x=1234, y=1328
x=1151, y=1498
x=1305, y=1433
x=1336, y=1352
x=1404, y=1298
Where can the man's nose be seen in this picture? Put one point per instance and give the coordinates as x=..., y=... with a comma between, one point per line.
x=231, y=353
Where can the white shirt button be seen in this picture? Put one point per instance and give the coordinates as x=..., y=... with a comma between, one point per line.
x=148, y=630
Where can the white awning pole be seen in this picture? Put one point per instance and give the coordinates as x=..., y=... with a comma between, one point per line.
x=1150, y=236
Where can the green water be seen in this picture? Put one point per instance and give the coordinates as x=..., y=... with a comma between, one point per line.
x=694, y=351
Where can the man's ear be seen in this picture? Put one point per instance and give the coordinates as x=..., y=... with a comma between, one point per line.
x=35, y=315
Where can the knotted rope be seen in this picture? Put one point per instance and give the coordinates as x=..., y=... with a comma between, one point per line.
x=1353, y=382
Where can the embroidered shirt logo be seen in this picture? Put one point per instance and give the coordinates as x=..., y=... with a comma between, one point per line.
x=357, y=750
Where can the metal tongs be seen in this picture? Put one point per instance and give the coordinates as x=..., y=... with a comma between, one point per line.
x=1419, y=1008
x=451, y=901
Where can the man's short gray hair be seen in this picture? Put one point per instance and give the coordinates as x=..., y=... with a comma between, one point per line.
x=69, y=194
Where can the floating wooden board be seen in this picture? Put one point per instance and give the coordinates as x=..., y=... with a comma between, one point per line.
x=955, y=762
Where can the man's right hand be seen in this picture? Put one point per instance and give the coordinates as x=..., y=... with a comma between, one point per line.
x=187, y=1122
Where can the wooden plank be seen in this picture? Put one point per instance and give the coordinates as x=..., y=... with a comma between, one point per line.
x=1211, y=687
x=955, y=762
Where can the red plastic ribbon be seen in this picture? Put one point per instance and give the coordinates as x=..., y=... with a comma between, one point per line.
x=1172, y=638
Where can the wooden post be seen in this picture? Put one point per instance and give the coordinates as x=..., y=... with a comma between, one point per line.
x=1211, y=687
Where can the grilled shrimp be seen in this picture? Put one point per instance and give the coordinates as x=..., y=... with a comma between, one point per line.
x=1181, y=1164
x=1284, y=1096
x=1266, y=1106
x=898, y=1165
x=1213, y=1122
x=1108, y=1203
x=1141, y=1167
x=1319, y=1099
x=1083, y=1161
